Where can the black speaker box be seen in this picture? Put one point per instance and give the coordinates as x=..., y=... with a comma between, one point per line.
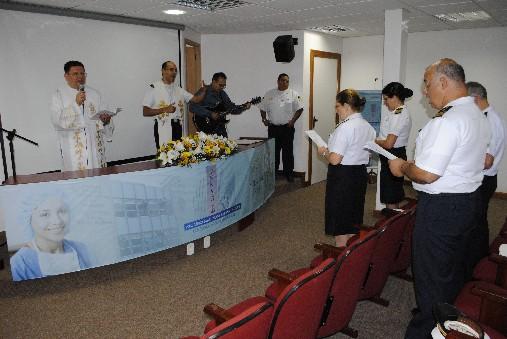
x=284, y=48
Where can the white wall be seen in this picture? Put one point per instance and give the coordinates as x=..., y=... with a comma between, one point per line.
x=249, y=62
x=481, y=52
x=121, y=61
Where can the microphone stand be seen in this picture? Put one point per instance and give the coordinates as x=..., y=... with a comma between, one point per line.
x=10, y=136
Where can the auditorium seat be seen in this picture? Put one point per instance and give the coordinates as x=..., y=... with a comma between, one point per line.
x=486, y=303
x=352, y=265
x=251, y=323
x=384, y=255
x=298, y=309
x=492, y=269
x=403, y=258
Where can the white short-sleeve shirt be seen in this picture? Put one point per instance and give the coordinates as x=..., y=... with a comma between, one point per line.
x=453, y=146
x=397, y=122
x=280, y=105
x=349, y=138
x=497, y=142
x=164, y=94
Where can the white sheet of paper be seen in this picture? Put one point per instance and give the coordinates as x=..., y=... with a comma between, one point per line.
x=317, y=140
x=105, y=111
x=371, y=145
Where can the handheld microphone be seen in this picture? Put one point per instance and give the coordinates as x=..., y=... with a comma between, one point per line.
x=82, y=89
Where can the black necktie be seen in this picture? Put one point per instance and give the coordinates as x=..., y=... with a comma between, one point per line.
x=486, y=113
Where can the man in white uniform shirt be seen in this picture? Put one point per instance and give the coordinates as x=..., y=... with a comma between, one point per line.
x=165, y=101
x=283, y=107
x=82, y=130
x=447, y=173
x=494, y=156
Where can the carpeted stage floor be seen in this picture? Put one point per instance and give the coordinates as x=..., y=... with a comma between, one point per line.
x=162, y=295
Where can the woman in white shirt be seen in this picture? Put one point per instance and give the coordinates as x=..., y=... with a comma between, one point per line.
x=346, y=175
x=394, y=132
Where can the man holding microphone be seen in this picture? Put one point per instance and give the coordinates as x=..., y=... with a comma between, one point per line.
x=81, y=128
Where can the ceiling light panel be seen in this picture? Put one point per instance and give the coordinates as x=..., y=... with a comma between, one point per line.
x=211, y=5
x=466, y=16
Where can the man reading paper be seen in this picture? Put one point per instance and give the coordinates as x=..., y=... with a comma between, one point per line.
x=81, y=129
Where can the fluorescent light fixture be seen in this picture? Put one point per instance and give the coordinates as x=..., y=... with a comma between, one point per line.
x=331, y=29
x=464, y=16
x=211, y=5
x=174, y=12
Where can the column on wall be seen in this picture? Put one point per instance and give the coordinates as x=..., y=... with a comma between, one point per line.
x=395, y=61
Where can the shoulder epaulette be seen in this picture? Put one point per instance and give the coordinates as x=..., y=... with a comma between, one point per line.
x=442, y=111
x=398, y=110
x=152, y=86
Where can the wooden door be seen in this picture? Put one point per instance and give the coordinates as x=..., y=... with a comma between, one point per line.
x=192, y=76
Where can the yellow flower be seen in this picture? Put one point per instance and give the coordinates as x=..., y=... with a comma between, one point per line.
x=227, y=150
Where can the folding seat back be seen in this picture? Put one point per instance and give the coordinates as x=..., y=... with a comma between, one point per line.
x=403, y=256
x=298, y=308
x=383, y=257
x=252, y=323
x=352, y=266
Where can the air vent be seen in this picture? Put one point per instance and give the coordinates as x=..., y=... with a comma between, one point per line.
x=465, y=16
x=211, y=5
x=332, y=29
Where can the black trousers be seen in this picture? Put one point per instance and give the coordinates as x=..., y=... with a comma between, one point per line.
x=177, y=129
x=284, y=140
x=442, y=235
x=480, y=246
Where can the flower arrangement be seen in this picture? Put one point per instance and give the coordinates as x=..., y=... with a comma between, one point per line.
x=196, y=148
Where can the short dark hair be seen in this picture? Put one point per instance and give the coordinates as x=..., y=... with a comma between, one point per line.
x=167, y=62
x=281, y=75
x=72, y=63
x=475, y=89
x=219, y=75
x=351, y=96
x=450, y=69
x=397, y=89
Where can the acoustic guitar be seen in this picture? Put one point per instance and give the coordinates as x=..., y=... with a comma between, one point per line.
x=211, y=126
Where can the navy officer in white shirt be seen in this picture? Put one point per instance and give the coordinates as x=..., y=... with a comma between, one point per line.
x=446, y=173
x=493, y=158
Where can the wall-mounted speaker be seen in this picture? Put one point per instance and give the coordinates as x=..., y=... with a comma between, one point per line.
x=284, y=48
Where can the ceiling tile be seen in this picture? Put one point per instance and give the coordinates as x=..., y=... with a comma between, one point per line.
x=125, y=6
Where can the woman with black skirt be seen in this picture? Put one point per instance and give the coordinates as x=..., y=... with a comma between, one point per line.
x=394, y=132
x=346, y=174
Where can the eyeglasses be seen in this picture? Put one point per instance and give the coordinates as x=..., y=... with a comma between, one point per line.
x=75, y=75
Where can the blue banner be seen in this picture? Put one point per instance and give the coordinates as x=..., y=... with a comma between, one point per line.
x=69, y=225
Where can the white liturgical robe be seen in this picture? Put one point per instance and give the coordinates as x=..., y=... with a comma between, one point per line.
x=81, y=138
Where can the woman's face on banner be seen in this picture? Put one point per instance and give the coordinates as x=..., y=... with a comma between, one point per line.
x=50, y=219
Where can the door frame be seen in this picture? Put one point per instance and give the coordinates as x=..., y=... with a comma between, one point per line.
x=327, y=55
x=190, y=124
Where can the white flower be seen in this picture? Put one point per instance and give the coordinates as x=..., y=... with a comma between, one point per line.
x=178, y=146
x=163, y=156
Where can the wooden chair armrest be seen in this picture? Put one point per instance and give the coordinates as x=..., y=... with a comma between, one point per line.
x=218, y=313
x=329, y=251
x=497, y=295
x=497, y=258
x=281, y=276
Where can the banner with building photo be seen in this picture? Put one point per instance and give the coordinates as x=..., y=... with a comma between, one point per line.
x=69, y=225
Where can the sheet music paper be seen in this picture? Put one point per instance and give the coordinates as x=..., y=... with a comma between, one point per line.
x=371, y=145
x=317, y=140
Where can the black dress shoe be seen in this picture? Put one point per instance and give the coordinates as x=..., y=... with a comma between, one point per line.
x=290, y=178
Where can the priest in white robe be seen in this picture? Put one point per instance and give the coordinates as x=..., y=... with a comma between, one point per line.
x=166, y=102
x=81, y=129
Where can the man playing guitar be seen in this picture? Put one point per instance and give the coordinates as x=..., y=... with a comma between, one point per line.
x=209, y=113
